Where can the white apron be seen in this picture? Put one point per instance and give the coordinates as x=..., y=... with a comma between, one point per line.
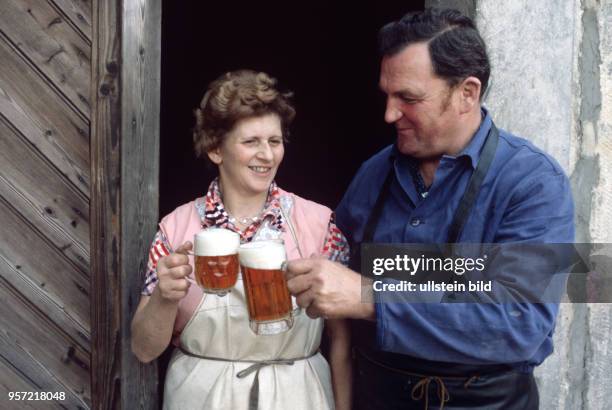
x=195, y=383
x=218, y=328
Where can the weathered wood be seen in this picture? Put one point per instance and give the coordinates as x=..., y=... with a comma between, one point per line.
x=44, y=118
x=11, y=276
x=41, y=265
x=141, y=45
x=43, y=196
x=129, y=124
x=12, y=380
x=43, y=37
x=79, y=13
x=105, y=206
x=40, y=353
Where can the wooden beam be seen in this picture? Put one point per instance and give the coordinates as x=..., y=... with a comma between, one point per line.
x=105, y=205
x=126, y=57
x=141, y=70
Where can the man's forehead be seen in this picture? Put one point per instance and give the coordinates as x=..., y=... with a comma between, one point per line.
x=409, y=68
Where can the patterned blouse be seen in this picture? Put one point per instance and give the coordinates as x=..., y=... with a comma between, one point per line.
x=213, y=213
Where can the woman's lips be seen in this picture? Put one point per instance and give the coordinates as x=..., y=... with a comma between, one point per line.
x=260, y=169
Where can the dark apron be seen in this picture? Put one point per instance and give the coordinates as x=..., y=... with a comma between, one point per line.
x=390, y=381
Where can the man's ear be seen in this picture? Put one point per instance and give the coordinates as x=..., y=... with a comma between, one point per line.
x=215, y=156
x=469, y=94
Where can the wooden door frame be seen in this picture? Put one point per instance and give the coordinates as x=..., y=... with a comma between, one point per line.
x=124, y=150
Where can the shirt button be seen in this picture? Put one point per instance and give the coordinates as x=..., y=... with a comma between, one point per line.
x=415, y=222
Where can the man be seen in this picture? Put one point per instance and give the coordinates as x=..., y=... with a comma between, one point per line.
x=434, y=72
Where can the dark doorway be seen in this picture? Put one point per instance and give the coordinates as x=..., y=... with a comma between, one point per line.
x=323, y=51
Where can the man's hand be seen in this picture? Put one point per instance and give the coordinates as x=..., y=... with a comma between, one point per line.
x=327, y=289
x=172, y=272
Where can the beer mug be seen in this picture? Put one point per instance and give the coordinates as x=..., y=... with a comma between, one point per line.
x=268, y=299
x=216, y=260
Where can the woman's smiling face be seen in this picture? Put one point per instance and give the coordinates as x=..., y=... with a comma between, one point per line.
x=250, y=154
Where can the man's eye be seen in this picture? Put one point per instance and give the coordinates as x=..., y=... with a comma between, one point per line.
x=275, y=142
x=408, y=100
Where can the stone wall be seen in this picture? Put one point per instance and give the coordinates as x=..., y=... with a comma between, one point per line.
x=552, y=83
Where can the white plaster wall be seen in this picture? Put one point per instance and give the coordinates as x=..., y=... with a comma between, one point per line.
x=530, y=45
x=598, y=383
x=552, y=83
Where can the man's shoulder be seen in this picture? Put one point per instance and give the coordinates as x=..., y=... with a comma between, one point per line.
x=523, y=155
x=377, y=162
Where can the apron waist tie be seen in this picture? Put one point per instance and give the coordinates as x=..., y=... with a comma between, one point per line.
x=254, y=367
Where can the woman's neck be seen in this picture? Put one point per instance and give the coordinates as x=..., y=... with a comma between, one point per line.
x=241, y=205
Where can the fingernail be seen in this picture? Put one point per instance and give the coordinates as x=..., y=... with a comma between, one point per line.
x=284, y=266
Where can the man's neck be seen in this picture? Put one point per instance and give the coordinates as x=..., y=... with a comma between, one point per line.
x=465, y=133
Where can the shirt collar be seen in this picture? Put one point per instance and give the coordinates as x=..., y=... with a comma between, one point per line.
x=217, y=215
x=472, y=150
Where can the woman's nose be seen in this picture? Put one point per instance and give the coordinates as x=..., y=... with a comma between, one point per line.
x=265, y=152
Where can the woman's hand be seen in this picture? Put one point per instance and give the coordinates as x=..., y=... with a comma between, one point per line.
x=172, y=273
x=154, y=318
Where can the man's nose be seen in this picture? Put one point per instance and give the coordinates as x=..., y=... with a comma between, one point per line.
x=392, y=114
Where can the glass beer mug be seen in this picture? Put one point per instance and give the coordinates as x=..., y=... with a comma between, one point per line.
x=268, y=299
x=216, y=260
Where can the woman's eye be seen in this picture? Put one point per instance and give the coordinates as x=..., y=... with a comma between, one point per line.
x=250, y=141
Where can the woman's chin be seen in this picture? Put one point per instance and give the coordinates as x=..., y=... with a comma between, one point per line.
x=260, y=186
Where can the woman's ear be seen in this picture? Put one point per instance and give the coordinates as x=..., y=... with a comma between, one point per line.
x=470, y=94
x=215, y=156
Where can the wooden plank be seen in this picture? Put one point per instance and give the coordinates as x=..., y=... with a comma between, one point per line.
x=43, y=36
x=44, y=119
x=35, y=347
x=18, y=376
x=79, y=13
x=141, y=71
x=13, y=277
x=114, y=270
x=26, y=251
x=43, y=197
x=105, y=206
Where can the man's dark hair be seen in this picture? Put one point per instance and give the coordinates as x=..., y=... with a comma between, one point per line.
x=455, y=47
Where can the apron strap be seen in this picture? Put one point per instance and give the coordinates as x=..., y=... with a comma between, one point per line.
x=471, y=193
x=256, y=366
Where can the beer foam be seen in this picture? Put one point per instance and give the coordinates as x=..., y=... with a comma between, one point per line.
x=262, y=254
x=216, y=242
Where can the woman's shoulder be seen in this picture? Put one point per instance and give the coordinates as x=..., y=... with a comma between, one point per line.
x=304, y=204
x=181, y=218
x=183, y=210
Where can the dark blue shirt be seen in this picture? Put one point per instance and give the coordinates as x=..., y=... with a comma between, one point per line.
x=525, y=197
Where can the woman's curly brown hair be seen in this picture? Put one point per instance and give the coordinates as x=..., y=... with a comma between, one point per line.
x=234, y=96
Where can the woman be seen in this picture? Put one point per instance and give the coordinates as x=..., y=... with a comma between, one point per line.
x=240, y=126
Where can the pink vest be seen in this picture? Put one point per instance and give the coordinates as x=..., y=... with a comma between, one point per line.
x=309, y=221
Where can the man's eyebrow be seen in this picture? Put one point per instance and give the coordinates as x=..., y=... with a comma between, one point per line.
x=405, y=93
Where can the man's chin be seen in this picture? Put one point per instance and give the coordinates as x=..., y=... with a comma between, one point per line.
x=407, y=148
